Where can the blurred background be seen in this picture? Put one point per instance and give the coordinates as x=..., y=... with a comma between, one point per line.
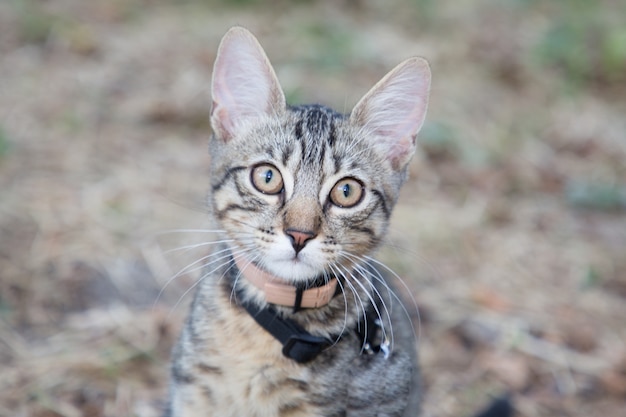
x=510, y=233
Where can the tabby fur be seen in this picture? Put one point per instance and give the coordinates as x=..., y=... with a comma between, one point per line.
x=225, y=364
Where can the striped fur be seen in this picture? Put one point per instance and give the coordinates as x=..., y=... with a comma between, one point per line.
x=225, y=364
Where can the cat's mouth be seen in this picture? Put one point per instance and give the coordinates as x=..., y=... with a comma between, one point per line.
x=296, y=270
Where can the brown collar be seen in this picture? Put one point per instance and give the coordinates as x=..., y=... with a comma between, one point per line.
x=285, y=294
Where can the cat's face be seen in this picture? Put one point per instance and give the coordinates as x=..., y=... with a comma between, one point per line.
x=304, y=192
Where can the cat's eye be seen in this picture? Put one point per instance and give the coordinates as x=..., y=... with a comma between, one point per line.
x=267, y=179
x=347, y=193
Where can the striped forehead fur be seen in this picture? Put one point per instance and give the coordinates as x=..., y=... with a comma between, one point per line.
x=315, y=142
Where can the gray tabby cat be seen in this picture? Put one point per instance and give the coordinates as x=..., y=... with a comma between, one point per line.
x=293, y=317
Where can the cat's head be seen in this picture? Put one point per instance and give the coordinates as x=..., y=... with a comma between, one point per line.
x=304, y=191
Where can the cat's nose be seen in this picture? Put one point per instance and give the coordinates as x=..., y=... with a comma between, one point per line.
x=299, y=238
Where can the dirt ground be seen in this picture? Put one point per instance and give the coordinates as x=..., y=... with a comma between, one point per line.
x=510, y=234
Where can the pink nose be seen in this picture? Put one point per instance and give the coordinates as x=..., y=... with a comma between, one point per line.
x=299, y=239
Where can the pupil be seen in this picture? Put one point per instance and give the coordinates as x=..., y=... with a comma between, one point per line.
x=346, y=190
x=268, y=176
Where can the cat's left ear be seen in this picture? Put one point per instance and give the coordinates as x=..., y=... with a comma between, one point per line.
x=394, y=110
x=244, y=87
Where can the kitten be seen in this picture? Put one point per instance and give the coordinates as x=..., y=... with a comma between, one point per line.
x=293, y=317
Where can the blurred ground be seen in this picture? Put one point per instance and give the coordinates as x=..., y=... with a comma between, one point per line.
x=511, y=232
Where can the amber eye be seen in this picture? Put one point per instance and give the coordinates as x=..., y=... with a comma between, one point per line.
x=267, y=179
x=347, y=193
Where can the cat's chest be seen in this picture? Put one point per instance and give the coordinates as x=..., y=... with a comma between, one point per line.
x=262, y=392
x=256, y=379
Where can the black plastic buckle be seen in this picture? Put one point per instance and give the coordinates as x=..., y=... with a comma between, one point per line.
x=304, y=348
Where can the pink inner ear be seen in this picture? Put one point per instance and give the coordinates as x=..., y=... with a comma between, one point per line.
x=244, y=84
x=222, y=124
x=395, y=108
x=408, y=126
x=400, y=149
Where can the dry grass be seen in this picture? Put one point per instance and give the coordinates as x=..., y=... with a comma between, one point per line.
x=510, y=233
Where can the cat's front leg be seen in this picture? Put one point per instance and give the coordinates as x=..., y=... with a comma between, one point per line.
x=381, y=386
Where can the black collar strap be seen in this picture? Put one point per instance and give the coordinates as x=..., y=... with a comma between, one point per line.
x=298, y=344
x=302, y=346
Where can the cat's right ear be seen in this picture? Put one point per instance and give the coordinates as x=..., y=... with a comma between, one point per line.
x=244, y=86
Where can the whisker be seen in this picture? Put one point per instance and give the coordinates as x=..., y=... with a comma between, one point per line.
x=179, y=273
x=370, y=261
x=250, y=261
x=189, y=269
x=204, y=276
x=172, y=231
x=379, y=314
x=387, y=310
x=243, y=223
x=355, y=294
x=361, y=303
x=345, y=301
x=357, y=300
x=197, y=245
